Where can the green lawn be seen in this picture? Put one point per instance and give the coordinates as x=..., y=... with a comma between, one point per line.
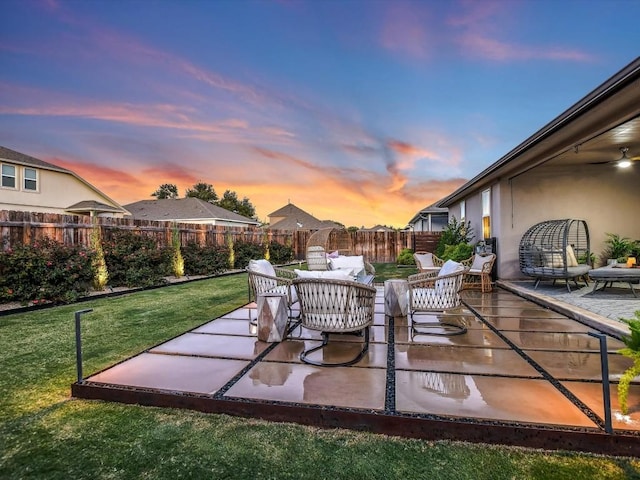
x=45, y=434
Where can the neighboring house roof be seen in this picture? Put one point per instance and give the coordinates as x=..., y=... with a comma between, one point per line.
x=616, y=100
x=378, y=228
x=186, y=210
x=297, y=219
x=27, y=160
x=21, y=158
x=87, y=206
x=431, y=209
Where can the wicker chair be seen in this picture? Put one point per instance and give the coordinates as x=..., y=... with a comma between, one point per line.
x=317, y=258
x=427, y=262
x=479, y=274
x=431, y=292
x=331, y=239
x=265, y=278
x=335, y=306
x=554, y=249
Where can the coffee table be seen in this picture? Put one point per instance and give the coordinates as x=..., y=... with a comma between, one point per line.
x=615, y=273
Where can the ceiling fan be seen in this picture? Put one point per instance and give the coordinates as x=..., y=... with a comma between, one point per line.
x=623, y=162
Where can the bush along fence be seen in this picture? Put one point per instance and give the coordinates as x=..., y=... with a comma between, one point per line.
x=58, y=258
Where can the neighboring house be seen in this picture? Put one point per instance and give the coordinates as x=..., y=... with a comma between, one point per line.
x=378, y=228
x=567, y=169
x=291, y=217
x=32, y=185
x=187, y=210
x=430, y=219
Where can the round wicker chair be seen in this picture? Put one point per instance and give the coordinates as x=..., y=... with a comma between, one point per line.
x=556, y=249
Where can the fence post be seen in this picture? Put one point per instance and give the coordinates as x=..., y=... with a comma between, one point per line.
x=79, y=343
x=606, y=395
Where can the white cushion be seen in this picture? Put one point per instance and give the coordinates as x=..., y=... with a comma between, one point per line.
x=478, y=262
x=552, y=259
x=262, y=266
x=572, y=261
x=354, y=264
x=329, y=274
x=425, y=260
x=450, y=267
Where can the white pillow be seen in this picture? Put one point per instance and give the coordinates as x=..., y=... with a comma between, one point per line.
x=262, y=266
x=353, y=262
x=478, y=262
x=572, y=261
x=425, y=259
x=552, y=259
x=450, y=267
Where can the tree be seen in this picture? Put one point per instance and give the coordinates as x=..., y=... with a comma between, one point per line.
x=229, y=201
x=203, y=191
x=166, y=190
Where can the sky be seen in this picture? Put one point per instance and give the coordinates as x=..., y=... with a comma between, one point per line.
x=357, y=111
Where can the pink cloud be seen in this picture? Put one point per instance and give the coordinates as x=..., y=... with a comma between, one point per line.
x=405, y=31
x=480, y=25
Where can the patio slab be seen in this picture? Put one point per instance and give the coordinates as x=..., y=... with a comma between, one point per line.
x=520, y=375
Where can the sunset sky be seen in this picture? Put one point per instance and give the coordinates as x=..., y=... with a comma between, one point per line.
x=362, y=112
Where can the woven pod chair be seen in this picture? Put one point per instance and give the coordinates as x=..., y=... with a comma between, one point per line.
x=430, y=293
x=554, y=250
x=335, y=306
x=327, y=240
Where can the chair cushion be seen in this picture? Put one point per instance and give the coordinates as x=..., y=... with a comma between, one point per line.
x=450, y=267
x=353, y=264
x=572, y=261
x=478, y=262
x=262, y=266
x=425, y=259
x=329, y=274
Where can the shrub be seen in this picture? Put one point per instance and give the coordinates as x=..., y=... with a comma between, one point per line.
x=207, y=260
x=245, y=251
x=454, y=234
x=632, y=351
x=458, y=252
x=280, y=254
x=45, y=271
x=135, y=260
x=406, y=257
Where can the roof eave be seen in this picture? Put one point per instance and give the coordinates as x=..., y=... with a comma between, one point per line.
x=617, y=82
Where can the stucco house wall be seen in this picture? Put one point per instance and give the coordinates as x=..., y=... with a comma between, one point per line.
x=57, y=190
x=565, y=170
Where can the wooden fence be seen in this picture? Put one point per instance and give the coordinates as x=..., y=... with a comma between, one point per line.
x=27, y=227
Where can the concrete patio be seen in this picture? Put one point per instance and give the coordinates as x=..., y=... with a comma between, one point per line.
x=523, y=374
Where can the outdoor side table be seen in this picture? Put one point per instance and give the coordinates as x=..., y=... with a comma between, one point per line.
x=395, y=298
x=272, y=316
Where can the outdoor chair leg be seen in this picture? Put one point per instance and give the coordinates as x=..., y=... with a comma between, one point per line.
x=325, y=340
x=450, y=329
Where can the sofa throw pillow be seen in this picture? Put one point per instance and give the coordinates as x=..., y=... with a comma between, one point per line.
x=335, y=254
x=425, y=259
x=354, y=263
x=552, y=259
x=572, y=261
x=262, y=266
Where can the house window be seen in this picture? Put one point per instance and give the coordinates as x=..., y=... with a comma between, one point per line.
x=486, y=213
x=463, y=210
x=8, y=176
x=30, y=179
